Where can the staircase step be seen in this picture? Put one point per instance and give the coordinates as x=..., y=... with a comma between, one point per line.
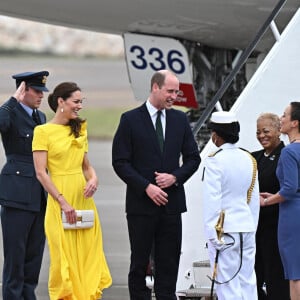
x=201, y=264
x=195, y=293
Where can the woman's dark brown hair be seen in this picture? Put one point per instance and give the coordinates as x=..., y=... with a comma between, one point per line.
x=65, y=90
x=295, y=112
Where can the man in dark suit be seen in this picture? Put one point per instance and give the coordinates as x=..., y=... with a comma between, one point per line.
x=147, y=148
x=22, y=198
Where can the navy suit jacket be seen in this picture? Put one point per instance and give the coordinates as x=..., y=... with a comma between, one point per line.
x=19, y=187
x=136, y=156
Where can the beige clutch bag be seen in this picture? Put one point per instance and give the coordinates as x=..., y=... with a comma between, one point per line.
x=85, y=219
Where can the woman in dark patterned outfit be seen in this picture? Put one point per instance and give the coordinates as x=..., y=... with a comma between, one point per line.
x=268, y=265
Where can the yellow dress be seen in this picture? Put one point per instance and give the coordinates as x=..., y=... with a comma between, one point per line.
x=78, y=268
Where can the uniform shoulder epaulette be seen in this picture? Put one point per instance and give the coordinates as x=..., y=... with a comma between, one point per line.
x=6, y=107
x=244, y=149
x=214, y=153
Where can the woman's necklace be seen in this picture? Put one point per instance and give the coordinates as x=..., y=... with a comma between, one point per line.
x=294, y=140
x=269, y=156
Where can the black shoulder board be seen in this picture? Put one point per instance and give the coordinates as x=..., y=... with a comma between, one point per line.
x=214, y=153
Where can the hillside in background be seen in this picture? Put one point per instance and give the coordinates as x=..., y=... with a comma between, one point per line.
x=27, y=36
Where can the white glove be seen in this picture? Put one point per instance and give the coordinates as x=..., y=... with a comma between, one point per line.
x=218, y=244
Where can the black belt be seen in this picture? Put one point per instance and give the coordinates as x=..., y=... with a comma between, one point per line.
x=19, y=157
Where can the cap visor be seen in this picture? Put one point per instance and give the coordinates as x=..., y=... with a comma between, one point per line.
x=39, y=88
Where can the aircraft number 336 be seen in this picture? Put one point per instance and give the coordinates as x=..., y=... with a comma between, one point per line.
x=156, y=59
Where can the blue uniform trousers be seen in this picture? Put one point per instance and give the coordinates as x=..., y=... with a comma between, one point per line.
x=23, y=244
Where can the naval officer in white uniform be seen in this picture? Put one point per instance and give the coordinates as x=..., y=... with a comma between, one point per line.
x=231, y=185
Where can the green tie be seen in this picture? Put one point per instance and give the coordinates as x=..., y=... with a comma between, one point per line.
x=159, y=131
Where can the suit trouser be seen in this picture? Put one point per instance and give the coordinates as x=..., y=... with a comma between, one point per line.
x=243, y=285
x=164, y=233
x=23, y=245
x=268, y=266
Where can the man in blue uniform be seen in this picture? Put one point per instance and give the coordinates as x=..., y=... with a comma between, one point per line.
x=22, y=198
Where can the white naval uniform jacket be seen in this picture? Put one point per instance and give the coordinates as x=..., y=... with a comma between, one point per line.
x=227, y=178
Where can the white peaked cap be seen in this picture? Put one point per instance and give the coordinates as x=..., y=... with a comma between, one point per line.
x=223, y=117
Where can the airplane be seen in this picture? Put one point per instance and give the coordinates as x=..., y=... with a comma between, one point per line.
x=212, y=33
x=202, y=42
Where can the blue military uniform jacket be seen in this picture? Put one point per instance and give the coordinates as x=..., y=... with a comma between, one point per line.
x=19, y=187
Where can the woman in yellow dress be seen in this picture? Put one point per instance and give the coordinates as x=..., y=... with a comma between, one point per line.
x=78, y=268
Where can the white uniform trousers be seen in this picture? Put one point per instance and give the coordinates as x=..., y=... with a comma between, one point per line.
x=243, y=285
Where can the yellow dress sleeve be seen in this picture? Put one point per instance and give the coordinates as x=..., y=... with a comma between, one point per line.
x=83, y=133
x=40, y=139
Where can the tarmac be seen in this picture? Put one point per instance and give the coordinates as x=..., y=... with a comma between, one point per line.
x=106, y=84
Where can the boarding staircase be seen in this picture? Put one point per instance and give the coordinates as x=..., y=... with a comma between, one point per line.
x=271, y=88
x=201, y=288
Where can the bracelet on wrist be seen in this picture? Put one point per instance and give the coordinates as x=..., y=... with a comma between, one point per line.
x=57, y=197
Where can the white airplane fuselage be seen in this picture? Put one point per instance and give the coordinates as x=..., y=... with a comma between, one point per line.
x=221, y=24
